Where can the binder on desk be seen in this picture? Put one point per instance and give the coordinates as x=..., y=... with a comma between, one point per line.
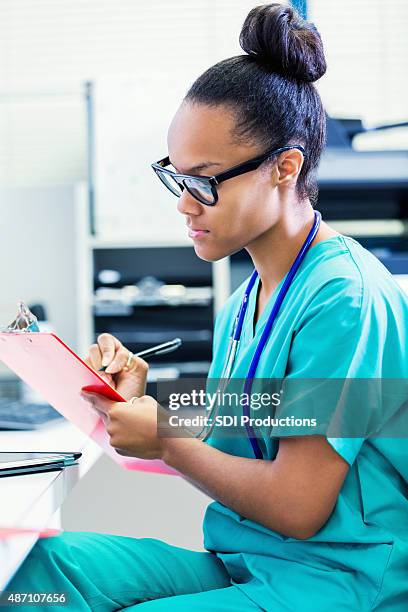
x=21, y=462
x=50, y=367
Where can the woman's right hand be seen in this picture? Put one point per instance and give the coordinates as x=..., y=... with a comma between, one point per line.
x=110, y=352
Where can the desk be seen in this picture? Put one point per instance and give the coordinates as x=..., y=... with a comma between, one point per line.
x=31, y=500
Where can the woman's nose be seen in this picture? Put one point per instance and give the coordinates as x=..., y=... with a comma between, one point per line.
x=187, y=205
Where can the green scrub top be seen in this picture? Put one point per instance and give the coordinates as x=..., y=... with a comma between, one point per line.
x=343, y=316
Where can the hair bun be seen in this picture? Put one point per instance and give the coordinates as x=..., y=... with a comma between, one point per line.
x=277, y=36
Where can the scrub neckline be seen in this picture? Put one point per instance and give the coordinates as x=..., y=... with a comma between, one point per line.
x=252, y=329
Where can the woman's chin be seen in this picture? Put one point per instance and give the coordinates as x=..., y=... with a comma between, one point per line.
x=208, y=253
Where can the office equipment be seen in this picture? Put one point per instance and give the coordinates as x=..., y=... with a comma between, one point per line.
x=22, y=409
x=16, y=463
x=149, y=295
x=20, y=415
x=25, y=320
x=363, y=185
x=31, y=412
x=160, y=349
x=342, y=131
x=48, y=365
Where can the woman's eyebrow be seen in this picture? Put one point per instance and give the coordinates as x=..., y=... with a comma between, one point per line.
x=199, y=167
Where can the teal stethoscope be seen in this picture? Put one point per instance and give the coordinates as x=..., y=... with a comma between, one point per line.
x=237, y=329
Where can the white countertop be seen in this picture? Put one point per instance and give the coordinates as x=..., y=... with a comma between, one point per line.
x=31, y=500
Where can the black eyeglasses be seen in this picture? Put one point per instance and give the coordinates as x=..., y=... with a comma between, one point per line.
x=204, y=188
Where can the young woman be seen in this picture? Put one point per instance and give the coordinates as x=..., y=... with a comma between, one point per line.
x=299, y=523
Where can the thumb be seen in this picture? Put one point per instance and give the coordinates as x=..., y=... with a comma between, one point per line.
x=133, y=382
x=107, y=346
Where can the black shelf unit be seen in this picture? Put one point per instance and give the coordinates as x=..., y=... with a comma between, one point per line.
x=141, y=323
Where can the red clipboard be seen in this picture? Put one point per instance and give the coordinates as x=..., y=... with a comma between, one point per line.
x=45, y=363
x=7, y=533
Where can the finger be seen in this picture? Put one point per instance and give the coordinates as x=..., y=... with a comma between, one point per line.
x=94, y=365
x=108, y=345
x=95, y=357
x=104, y=417
x=107, y=378
x=119, y=361
x=99, y=402
x=138, y=364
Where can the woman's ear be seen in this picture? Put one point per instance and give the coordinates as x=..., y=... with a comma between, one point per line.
x=288, y=166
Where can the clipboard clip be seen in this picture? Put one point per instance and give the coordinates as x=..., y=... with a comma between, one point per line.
x=25, y=321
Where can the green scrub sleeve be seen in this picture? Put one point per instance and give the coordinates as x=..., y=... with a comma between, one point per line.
x=348, y=448
x=329, y=345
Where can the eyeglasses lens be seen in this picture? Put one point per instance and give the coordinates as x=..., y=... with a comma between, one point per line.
x=201, y=190
x=170, y=183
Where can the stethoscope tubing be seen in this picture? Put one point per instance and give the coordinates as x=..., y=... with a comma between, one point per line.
x=268, y=327
x=237, y=330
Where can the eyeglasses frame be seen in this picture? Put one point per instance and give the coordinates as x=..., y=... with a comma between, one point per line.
x=213, y=181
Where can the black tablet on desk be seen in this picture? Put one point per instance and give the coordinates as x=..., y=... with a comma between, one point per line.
x=16, y=463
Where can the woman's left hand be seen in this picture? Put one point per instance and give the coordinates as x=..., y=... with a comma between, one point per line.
x=132, y=427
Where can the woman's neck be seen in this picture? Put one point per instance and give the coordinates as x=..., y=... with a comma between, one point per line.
x=274, y=251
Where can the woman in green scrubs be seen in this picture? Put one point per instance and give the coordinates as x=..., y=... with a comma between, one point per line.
x=321, y=522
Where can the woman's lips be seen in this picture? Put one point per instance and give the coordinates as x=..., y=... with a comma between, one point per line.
x=198, y=233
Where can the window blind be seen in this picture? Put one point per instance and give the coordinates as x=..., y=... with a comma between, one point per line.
x=48, y=49
x=366, y=46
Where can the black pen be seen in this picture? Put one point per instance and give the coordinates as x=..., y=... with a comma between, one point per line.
x=159, y=349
